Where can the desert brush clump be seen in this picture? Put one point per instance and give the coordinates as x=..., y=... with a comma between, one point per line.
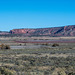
x=55, y=44
x=71, y=73
x=3, y=46
x=6, y=71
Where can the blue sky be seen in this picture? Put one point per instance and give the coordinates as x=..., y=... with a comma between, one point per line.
x=36, y=13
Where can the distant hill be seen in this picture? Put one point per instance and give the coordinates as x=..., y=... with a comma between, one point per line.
x=4, y=33
x=54, y=31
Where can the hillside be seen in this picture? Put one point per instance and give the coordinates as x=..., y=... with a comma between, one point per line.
x=4, y=33
x=55, y=31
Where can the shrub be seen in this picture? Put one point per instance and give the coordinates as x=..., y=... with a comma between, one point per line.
x=5, y=71
x=2, y=46
x=71, y=73
x=55, y=44
x=5, y=46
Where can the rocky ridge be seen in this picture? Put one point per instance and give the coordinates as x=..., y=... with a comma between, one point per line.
x=55, y=31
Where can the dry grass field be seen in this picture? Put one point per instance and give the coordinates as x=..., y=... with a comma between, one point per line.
x=37, y=59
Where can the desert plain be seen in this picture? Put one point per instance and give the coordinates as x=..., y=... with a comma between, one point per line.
x=38, y=56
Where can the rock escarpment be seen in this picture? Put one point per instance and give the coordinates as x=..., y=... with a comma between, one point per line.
x=55, y=31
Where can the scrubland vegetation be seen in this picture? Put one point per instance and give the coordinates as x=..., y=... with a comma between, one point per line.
x=44, y=61
x=48, y=59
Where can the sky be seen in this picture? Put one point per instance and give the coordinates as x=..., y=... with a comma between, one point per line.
x=16, y=14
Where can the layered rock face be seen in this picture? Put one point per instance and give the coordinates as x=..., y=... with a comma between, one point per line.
x=55, y=31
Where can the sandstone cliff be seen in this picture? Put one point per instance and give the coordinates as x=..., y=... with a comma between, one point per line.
x=55, y=31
